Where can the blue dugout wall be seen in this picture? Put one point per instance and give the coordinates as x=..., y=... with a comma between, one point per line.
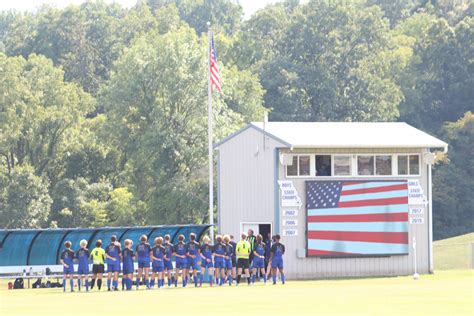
x=43, y=246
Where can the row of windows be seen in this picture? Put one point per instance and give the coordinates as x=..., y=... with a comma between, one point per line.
x=304, y=165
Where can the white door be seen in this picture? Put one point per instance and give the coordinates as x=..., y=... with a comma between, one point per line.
x=246, y=226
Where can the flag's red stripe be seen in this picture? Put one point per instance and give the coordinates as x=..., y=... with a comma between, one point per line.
x=315, y=252
x=383, y=237
x=388, y=201
x=382, y=217
x=377, y=189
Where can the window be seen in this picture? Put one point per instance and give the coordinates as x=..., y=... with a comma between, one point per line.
x=383, y=165
x=408, y=164
x=365, y=165
x=342, y=165
x=303, y=165
x=300, y=166
x=402, y=165
x=323, y=165
x=292, y=170
x=414, y=164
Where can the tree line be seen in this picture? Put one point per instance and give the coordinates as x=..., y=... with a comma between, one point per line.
x=103, y=108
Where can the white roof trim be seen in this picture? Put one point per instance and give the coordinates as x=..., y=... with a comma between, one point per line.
x=345, y=135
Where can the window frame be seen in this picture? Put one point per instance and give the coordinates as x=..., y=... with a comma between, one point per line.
x=354, y=165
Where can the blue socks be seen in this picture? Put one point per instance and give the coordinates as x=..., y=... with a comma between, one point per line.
x=265, y=278
x=64, y=284
x=169, y=281
x=109, y=281
x=282, y=278
x=274, y=278
x=230, y=280
x=195, y=280
x=115, y=284
x=71, y=282
x=152, y=283
x=87, y=284
x=79, y=284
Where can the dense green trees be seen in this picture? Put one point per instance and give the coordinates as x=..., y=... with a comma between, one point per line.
x=103, y=109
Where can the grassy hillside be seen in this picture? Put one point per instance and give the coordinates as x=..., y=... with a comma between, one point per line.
x=454, y=252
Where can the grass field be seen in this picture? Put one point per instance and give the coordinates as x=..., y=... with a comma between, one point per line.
x=453, y=253
x=444, y=293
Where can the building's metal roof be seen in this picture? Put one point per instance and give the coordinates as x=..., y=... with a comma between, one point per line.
x=346, y=135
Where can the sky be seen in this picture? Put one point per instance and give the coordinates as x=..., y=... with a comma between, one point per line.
x=249, y=6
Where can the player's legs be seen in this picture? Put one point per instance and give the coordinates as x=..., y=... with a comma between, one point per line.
x=146, y=276
x=139, y=275
x=262, y=272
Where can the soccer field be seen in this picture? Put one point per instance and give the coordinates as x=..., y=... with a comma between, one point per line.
x=445, y=293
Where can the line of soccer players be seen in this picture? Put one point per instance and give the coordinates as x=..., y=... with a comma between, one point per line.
x=225, y=262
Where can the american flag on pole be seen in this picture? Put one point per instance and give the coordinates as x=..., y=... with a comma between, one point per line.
x=214, y=68
x=364, y=218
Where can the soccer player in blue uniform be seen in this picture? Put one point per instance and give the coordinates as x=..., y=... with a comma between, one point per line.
x=113, y=253
x=219, y=260
x=234, y=257
x=143, y=251
x=192, y=253
x=180, y=251
x=157, y=257
x=127, y=257
x=168, y=263
x=205, y=252
x=229, y=252
x=276, y=257
x=258, y=262
x=67, y=260
x=82, y=256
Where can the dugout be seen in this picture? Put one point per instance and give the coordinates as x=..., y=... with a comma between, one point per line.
x=348, y=199
x=37, y=249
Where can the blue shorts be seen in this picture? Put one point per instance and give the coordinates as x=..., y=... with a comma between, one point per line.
x=157, y=267
x=69, y=270
x=193, y=263
x=258, y=263
x=144, y=262
x=168, y=264
x=228, y=263
x=277, y=263
x=128, y=269
x=205, y=264
x=219, y=263
x=113, y=267
x=83, y=270
x=181, y=263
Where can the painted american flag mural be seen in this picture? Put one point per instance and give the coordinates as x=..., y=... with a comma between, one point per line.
x=364, y=218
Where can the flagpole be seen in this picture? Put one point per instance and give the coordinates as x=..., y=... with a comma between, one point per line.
x=209, y=134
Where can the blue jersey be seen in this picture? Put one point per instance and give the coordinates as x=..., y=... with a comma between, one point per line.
x=82, y=256
x=260, y=249
x=206, y=251
x=277, y=250
x=68, y=256
x=127, y=257
x=143, y=251
x=180, y=249
x=229, y=250
x=168, y=249
x=158, y=251
x=113, y=251
x=234, y=245
x=192, y=248
x=219, y=249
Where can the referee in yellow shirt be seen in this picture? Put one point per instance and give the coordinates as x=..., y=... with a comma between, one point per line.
x=243, y=250
x=98, y=257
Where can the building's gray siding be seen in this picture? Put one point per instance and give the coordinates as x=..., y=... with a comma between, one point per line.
x=247, y=188
x=246, y=181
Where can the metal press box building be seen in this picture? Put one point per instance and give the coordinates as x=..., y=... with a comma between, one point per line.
x=348, y=199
